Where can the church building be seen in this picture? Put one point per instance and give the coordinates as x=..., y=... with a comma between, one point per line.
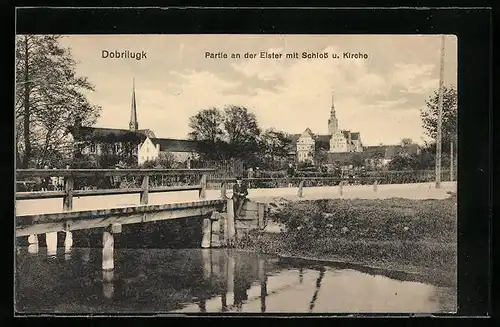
x=132, y=145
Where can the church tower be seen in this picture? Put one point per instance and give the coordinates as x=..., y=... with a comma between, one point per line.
x=333, y=123
x=133, y=125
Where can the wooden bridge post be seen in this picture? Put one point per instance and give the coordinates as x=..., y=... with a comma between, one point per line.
x=203, y=186
x=341, y=187
x=51, y=240
x=33, y=244
x=301, y=186
x=261, y=209
x=223, y=191
x=145, y=189
x=229, y=231
x=69, y=183
x=222, y=230
x=108, y=244
x=33, y=239
x=215, y=231
x=68, y=242
x=375, y=186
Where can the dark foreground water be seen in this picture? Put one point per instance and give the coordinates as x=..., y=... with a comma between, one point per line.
x=195, y=280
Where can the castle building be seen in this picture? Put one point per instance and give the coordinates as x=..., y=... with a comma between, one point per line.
x=132, y=145
x=306, y=146
x=342, y=140
x=336, y=141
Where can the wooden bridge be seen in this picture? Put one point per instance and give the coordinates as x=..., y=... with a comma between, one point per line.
x=212, y=203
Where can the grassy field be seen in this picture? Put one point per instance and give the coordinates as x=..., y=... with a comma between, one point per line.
x=414, y=236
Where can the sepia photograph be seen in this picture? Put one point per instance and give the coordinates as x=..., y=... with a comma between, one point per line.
x=235, y=173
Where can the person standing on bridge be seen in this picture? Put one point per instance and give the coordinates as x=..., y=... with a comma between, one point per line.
x=240, y=193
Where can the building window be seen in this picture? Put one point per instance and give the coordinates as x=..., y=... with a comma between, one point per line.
x=147, y=149
x=93, y=148
x=117, y=147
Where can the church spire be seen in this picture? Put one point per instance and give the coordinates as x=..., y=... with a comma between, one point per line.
x=332, y=110
x=133, y=125
x=333, y=123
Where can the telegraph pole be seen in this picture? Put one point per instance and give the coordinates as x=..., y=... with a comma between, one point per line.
x=451, y=161
x=440, y=117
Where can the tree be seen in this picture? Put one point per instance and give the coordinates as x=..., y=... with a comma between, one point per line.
x=321, y=156
x=242, y=132
x=274, y=145
x=207, y=127
x=307, y=163
x=429, y=115
x=357, y=160
x=427, y=157
x=166, y=160
x=402, y=161
x=321, y=148
x=275, y=142
x=229, y=134
x=406, y=141
x=49, y=96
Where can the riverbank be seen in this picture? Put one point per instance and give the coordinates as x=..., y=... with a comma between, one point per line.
x=412, y=236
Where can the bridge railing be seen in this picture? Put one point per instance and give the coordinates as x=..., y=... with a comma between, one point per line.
x=299, y=182
x=143, y=175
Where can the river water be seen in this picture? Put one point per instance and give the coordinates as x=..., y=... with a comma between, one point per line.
x=216, y=280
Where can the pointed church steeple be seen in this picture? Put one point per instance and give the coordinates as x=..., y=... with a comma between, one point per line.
x=332, y=122
x=332, y=110
x=133, y=125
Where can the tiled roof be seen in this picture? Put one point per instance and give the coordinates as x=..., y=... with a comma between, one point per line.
x=109, y=135
x=323, y=138
x=149, y=133
x=174, y=145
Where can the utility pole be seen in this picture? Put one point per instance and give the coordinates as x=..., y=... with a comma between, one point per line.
x=451, y=161
x=440, y=117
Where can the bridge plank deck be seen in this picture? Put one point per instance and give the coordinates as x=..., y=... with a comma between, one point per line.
x=85, y=219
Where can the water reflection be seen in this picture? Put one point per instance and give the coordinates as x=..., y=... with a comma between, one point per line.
x=68, y=242
x=51, y=241
x=208, y=280
x=318, y=286
x=108, y=288
x=33, y=248
x=86, y=254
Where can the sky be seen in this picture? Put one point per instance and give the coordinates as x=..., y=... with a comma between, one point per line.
x=380, y=96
